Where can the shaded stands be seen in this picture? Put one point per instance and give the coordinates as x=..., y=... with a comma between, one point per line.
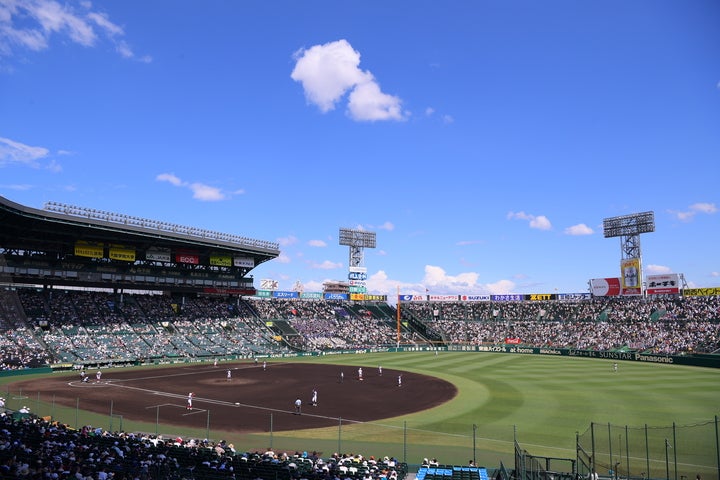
x=451, y=472
x=89, y=327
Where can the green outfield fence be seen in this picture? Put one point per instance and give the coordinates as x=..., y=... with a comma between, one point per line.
x=674, y=452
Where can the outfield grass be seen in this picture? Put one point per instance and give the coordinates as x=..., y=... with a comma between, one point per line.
x=542, y=401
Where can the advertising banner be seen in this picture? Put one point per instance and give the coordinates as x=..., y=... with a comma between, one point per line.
x=354, y=276
x=701, y=292
x=375, y=298
x=158, y=255
x=574, y=296
x=508, y=297
x=474, y=298
x=184, y=256
x=631, y=276
x=335, y=296
x=120, y=252
x=220, y=260
x=285, y=294
x=605, y=287
x=536, y=297
x=443, y=298
x=311, y=295
x=244, y=262
x=412, y=298
x=88, y=249
x=668, y=284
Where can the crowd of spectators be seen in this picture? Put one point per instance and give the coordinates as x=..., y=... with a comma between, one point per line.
x=83, y=327
x=37, y=448
x=660, y=325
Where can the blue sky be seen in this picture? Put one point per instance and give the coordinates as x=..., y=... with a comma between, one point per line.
x=483, y=141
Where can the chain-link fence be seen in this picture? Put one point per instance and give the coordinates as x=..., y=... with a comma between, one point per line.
x=674, y=452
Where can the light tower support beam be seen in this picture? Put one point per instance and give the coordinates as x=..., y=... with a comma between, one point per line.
x=358, y=241
x=629, y=228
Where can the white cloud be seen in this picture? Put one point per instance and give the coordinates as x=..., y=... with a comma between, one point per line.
x=501, y=287
x=328, y=72
x=708, y=208
x=12, y=152
x=102, y=21
x=437, y=277
x=326, y=265
x=317, y=243
x=287, y=241
x=31, y=24
x=18, y=186
x=200, y=191
x=579, y=229
x=170, y=178
x=206, y=193
x=657, y=269
x=389, y=226
x=694, y=209
x=463, y=243
x=313, y=286
x=540, y=222
x=368, y=103
x=437, y=282
x=282, y=258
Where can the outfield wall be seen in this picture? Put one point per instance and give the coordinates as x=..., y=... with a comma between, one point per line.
x=705, y=360
x=696, y=360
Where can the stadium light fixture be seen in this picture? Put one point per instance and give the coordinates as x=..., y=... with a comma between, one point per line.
x=629, y=225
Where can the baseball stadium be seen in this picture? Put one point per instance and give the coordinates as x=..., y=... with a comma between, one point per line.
x=136, y=348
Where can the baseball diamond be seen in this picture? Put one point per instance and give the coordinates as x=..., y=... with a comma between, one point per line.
x=245, y=404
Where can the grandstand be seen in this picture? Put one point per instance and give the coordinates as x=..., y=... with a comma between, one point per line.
x=84, y=288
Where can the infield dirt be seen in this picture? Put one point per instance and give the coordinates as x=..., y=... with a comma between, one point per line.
x=253, y=399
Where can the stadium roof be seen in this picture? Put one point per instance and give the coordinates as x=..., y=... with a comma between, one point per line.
x=55, y=232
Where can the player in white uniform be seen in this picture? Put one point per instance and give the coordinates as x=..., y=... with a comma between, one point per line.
x=189, y=400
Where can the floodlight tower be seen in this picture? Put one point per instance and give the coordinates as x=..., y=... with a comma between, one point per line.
x=357, y=240
x=629, y=228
